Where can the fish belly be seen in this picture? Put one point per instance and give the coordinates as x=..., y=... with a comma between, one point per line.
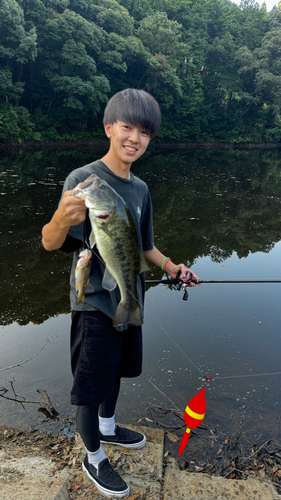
x=120, y=252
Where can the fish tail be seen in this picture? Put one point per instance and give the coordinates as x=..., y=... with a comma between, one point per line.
x=127, y=314
x=80, y=297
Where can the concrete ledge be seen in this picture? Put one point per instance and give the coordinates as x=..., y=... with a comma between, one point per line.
x=59, y=489
x=182, y=485
x=149, y=475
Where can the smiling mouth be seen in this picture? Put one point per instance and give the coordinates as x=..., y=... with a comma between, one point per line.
x=130, y=148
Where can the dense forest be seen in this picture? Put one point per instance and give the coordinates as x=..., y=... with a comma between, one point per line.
x=214, y=67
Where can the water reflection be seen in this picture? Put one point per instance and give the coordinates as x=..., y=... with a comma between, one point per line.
x=216, y=203
x=217, y=211
x=205, y=203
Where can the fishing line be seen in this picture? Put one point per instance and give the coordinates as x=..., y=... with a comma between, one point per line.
x=210, y=378
x=245, y=376
x=174, y=342
x=178, y=346
x=195, y=366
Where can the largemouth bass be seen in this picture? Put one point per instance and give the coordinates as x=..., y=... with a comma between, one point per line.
x=114, y=234
x=82, y=273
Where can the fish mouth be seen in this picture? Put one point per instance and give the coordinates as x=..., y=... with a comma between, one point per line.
x=103, y=216
x=100, y=214
x=98, y=210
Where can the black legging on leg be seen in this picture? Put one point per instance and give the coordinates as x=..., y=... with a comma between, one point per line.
x=87, y=420
x=107, y=408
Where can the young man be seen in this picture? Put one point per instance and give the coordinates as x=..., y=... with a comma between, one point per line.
x=100, y=353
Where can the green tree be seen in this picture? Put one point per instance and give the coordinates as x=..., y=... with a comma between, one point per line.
x=268, y=76
x=138, y=9
x=221, y=86
x=114, y=18
x=260, y=72
x=247, y=70
x=162, y=38
x=253, y=24
x=108, y=14
x=17, y=47
x=68, y=89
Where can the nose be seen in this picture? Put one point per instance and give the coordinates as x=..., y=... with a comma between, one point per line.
x=134, y=135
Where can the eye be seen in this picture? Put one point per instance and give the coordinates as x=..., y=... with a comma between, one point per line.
x=102, y=186
x=144, y=132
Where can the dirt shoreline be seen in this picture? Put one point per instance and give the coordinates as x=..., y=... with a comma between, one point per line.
x=63, y=145
x=36, y=459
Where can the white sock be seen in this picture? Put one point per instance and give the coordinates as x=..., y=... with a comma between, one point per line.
x=107, y=426
x=95, y=457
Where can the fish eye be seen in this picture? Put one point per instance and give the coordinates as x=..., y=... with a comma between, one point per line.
x=102, y=185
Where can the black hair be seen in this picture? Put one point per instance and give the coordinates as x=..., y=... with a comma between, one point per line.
x=135, y=107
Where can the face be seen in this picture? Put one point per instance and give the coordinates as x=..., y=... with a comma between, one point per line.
x=127, y=142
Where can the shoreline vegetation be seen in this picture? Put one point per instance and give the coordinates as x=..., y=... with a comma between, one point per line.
x=62, y=145
x=213, y=66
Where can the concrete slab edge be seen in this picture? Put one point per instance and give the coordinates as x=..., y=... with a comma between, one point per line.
x=59, y=489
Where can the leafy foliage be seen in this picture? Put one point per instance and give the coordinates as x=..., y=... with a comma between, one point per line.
x=213, y=66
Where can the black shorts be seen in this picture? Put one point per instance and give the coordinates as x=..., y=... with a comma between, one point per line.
x=100, y=354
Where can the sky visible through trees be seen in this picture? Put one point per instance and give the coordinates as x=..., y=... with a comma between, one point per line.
x=269, y=3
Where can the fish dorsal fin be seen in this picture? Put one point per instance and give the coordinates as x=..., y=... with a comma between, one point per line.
x=108, y=282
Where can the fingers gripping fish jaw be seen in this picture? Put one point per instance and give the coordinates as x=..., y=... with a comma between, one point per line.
x=83, y=188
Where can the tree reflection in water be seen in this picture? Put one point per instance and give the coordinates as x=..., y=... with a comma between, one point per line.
x=206, y=203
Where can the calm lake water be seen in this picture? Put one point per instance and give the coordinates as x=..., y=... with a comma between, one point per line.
x=219, y=213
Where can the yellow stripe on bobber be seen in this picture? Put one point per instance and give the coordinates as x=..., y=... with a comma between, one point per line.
x=197, y=416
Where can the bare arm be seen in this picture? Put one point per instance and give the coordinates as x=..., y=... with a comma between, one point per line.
x=72, y=211
x=156, y=257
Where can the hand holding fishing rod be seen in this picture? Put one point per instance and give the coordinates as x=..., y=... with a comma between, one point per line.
x=173, y=270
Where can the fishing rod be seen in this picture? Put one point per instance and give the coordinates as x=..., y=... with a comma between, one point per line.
x=176, y=281
x=184, y=282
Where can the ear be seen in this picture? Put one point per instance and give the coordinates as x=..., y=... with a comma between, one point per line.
x=108, y=130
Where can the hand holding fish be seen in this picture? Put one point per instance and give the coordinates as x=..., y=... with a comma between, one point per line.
x=72, y=210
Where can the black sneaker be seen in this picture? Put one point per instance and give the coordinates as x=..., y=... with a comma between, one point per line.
x=107, y=481
x=125, y=437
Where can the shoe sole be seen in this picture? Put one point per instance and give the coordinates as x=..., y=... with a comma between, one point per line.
x=135, y=446
x=104, y=491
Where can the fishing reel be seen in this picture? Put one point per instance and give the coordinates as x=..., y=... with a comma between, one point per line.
x=184, y=283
